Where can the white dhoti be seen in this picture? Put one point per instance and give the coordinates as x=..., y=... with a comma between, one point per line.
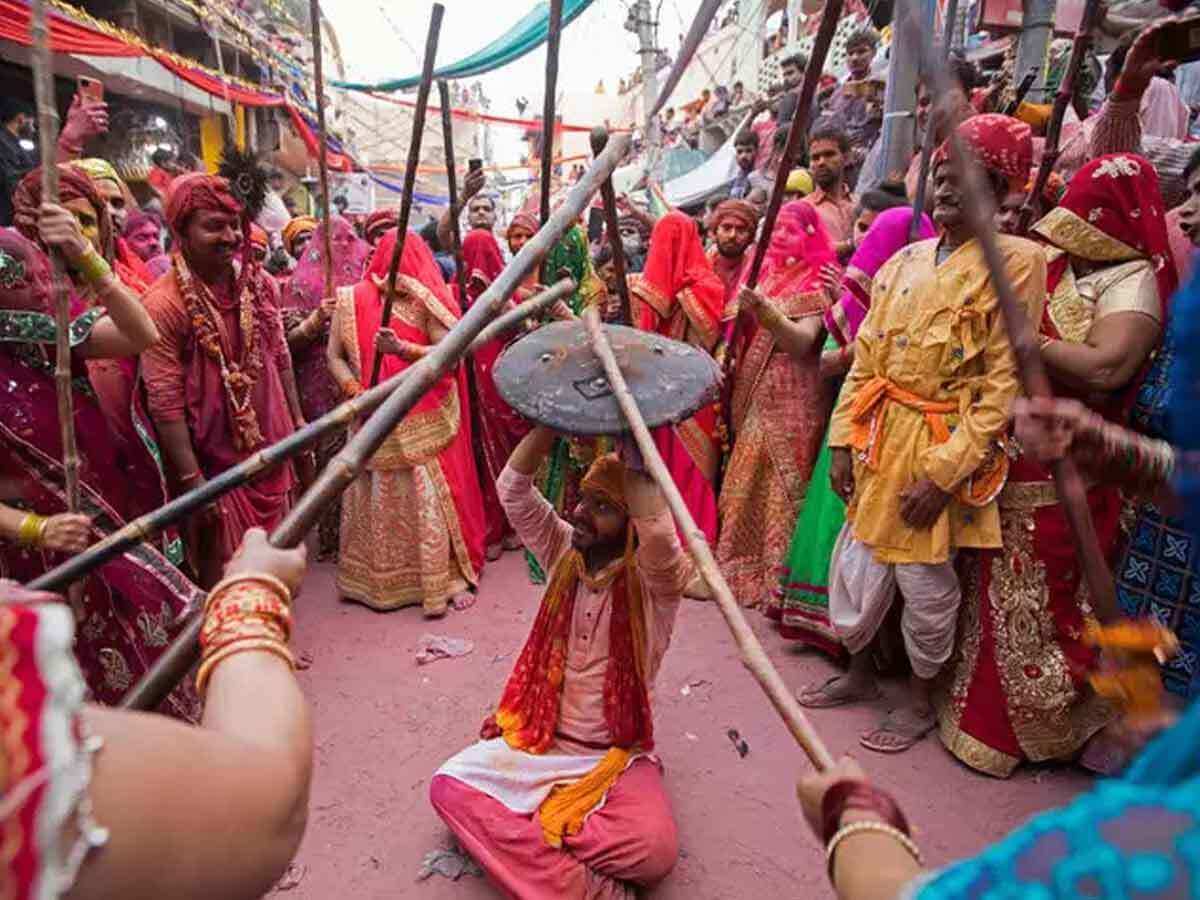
x=861, y=591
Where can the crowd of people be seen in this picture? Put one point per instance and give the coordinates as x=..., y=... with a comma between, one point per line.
x=859, y=478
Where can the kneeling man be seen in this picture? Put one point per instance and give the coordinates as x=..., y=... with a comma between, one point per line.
x=563, y=798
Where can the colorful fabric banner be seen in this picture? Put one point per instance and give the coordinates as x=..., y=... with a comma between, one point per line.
x=526, y=35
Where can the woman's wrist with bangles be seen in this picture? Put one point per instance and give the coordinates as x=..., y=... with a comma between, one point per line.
x=351, y=388
x=244, y=613
x=31, y=532
x=92, y=267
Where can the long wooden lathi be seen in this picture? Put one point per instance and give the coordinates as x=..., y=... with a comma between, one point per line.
x=549, y=117
x=178, y=659
x=43, y=87
x=754, y=657
x=410, y=175
x=314, y=12
x=153, y=522
x=914, y=225
x=612, y=225
x=980, y=214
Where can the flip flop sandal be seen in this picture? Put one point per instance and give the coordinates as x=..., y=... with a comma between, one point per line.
x=827, y=702
x=907, y=743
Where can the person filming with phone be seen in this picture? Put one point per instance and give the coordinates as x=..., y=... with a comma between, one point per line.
x=480, y=207
x=87, y=118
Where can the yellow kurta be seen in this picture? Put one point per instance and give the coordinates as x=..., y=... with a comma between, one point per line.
x=935, y=332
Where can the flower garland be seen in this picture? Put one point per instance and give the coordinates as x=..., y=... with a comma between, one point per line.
x=239, y=377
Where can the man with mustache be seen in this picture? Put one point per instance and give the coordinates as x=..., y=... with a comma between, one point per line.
x=219, y=381
x=563, y=796
x=914, y=435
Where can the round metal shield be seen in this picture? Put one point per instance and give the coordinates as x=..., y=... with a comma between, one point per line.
x=553, y=377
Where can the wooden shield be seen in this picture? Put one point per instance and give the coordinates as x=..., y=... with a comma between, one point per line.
x=553, y=377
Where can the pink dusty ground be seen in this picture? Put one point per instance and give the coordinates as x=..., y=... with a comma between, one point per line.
x=383, y=725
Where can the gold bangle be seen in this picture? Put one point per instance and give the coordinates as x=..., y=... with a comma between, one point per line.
x=865, y=825
x=32, y=530
x=266, y=645
x=270, y=581
x=92, y=267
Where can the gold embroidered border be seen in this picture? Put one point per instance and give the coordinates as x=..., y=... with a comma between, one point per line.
x=1025, y=495
x=975, y=753
x=409, y=287
x=708, y=330
x=700, y=447
x=650, y=295
x=1077, y=236
x=420, y=436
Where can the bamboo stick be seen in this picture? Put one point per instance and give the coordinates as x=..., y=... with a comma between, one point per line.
x=799, y=127
x=914, y=225
x=314, y=13
x=613, y=227
x=553, y=35
x=754, y=657
x=410, y=174
x=980, y=213
x=1066, y=89
x=178, y=659
x=145, y=527
x=43, y=86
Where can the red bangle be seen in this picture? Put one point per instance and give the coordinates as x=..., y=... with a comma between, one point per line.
x=852, y=794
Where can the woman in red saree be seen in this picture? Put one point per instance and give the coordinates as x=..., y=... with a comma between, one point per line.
x=678, y=295
x=500, y=428
x=306, y=314
x=412, y=523
x=1016, y=687
x=779, y=407
x=132, y=606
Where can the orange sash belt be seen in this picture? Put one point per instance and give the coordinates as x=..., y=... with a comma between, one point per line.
x=871, y=402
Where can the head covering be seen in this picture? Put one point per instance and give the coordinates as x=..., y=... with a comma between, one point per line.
x=73, y=185
x=194, y=192
x=24, y=274
x=306, y=288
x=1112, y=212
x=300, y=225
x=258, y=237
x=606, y=480
x=678, y=275
x=799, y=256
x=416, y=262
x=98, y=169
x=1001, y=144
x=481, y=254
x=738, y=210
x=522, y=221
x=800, y=181
x=887, y=235
x=378, y=221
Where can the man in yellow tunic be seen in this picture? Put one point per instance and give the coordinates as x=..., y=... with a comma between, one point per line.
x=917, y=436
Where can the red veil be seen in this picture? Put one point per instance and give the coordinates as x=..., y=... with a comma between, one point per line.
x=421, y=278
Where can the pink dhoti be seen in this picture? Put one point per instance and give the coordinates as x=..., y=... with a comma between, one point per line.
x=628, y=843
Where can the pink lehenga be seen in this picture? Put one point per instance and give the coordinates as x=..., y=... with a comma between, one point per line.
x=779, y=410
x=300, y=296
x=131, y=607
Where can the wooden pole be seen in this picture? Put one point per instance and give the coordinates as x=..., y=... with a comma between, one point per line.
x=338, y=418
x=43, y=87
x=613, y=226
x=178, y=659
x=314, y=13
x=548, y=115
x=1066, y=89
x=914, y=225
x=980, y=214
x=754, y=657
x=452, y=188
x=410, y=174
x=799, y=127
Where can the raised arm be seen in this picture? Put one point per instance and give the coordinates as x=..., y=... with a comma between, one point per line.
x=530, y=514
x=798, y=339
x=219, y=810
x=338, y=359
x=473, y=183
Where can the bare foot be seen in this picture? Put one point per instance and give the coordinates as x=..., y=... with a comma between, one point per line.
x=512, y=542
x=494, y=552
x=839, y=690
x=899, y=730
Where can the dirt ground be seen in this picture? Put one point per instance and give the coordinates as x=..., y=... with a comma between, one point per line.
x=384, y=725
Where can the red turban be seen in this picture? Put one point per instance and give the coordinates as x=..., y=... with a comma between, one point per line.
x=73, y=185
x=522, y=222
x=1001, y=144
x=195, y=192
x=738, y=210
x=380, y=220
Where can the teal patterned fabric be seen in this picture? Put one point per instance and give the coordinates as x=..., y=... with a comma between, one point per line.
x=1132, y=838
